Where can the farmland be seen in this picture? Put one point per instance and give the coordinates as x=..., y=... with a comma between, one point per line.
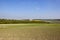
x=29, y=31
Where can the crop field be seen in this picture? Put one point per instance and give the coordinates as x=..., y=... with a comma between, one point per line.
x=29, y=31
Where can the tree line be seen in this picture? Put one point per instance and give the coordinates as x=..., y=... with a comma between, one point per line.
x=12, y=21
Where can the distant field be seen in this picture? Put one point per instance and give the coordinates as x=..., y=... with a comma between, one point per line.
x=29, y=31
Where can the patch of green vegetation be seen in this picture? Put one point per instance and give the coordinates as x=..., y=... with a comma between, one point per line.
x=29, y=25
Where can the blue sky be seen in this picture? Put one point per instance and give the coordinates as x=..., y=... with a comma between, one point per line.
x=30, y=9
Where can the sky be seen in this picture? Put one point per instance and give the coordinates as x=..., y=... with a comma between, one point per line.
x=30, y=9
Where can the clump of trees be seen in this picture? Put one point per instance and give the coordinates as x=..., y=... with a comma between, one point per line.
x=9, y=21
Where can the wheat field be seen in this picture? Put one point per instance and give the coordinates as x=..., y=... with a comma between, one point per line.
x=29, y=31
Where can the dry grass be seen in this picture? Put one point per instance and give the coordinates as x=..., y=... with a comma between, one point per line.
x=29, y=32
